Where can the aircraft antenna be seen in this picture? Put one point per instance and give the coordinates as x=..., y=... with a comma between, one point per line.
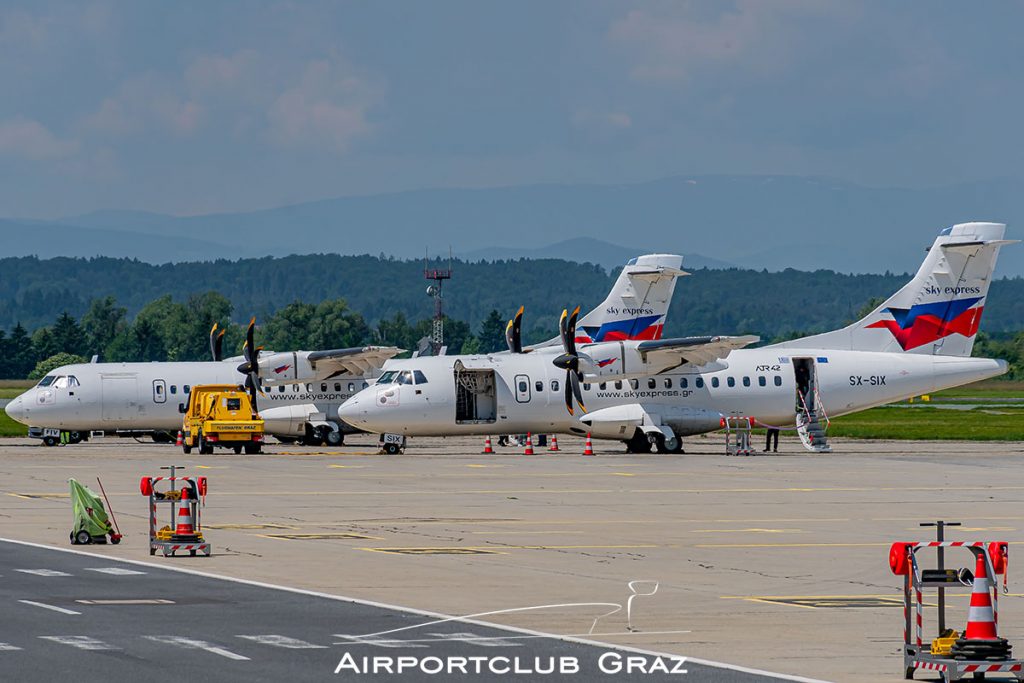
x=438, y=276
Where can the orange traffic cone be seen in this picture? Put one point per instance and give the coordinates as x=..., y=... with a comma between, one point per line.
x=589, y=448
x=185, y=525
x=487, y=446
x=981, y=623
x=180, y=439
x=554, y=444
x=529, y=444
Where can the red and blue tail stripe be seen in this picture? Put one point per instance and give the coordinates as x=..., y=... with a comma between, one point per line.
x=927, y=323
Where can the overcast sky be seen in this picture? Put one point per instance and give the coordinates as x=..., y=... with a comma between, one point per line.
x=196, y=107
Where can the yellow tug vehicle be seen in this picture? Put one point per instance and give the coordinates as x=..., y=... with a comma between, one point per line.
x=220, y=415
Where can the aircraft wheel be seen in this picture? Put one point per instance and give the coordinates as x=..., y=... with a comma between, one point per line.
x=657, y=441
x=75, y=437
x=83, y=537
x=252, y=448
x=392, y=448
x=638, y=444
x=51, y=440
x=237, y=449
x=186, y=448
x=335, y=438
x=673, y=445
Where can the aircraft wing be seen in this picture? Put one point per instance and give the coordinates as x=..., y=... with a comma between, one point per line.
x=359, y=360
x=671, y=353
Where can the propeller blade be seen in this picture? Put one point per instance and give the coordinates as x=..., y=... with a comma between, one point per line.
x=569, y=392
x=514, y=332
x=250, y=344
x=577, y=392
x=213, y=342
x=571, y=332
x=218, y=348
x=563, y=330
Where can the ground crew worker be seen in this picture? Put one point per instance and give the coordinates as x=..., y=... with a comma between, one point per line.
x=773, y=432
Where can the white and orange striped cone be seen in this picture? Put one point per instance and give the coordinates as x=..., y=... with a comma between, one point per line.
x=185, y=524
x=553, y=448
x=981, y=622
x=588, y=449
x=487, y=446
x=529, y=444
x=180, y=440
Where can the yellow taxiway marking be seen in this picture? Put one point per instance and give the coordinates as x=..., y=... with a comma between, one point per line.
x=486, y=466
x=345, y=467
x=753, y=531
x=530, y=532
x=249, y=526
x=34, y=496
x=621, y=474
x=789, y=545
x=326, y=536
x=499, y=548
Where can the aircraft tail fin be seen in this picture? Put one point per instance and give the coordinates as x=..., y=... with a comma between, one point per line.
x=938, y=312
x=638, y=303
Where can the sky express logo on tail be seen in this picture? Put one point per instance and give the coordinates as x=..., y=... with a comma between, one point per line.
x=927, y=323
x=641, y=327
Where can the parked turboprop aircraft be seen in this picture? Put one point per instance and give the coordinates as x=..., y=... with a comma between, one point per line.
x=301, y=392
x=652, y=392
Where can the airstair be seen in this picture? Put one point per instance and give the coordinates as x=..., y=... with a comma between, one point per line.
x=811, y=423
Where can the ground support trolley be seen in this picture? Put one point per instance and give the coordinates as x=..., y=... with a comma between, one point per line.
x=737, y=434
x=185, y=530
x=917, y=654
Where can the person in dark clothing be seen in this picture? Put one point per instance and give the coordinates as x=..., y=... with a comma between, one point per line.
x=772, y=433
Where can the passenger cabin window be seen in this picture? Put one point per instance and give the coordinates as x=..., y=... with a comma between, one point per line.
x=280, y=388
x=700, y=382
x=46, y=381
x=618, y=384
x=538, y=385
x=635, y=384
x=761, y=381
x=523, y=387
x=684, y=382
x=715, y=382
x=295, y=388
x=746, y=381
x=651, y=383
x=309, y=387
x=187, y=389
x=586, y=387
x=668, y=382
x=337, y=386
x=352, y=385
x=233, y=403
x=174, y=388
x=554, y=385
x=731, y=381
x=323, y=386
x=778, y=380
x=602, y=386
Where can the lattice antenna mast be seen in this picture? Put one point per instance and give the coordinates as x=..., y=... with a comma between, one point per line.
x=438, y=276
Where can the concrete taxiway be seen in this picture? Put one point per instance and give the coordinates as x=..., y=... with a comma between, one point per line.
x=777, y=563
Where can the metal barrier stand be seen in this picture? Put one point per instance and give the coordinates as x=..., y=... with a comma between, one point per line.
x=165, y=543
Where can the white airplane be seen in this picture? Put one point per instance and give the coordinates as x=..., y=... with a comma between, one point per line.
x=651, y=393
x=301, y=391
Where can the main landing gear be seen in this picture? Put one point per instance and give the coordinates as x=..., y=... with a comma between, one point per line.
x=645, y=442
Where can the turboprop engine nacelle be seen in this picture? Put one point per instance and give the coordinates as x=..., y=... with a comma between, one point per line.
x=285, y=367
x=287, y=420
x=622, y=421
x=632, y=359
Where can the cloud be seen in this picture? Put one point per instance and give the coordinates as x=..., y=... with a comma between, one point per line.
x=329, y=105
x=673, y=43
x=28, y=139
x=145, y=102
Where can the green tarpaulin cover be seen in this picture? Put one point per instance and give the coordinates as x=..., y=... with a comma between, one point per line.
x=88, y=511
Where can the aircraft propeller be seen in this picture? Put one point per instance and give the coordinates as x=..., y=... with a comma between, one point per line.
x=570, y=360
x=251, y=367
x=216, y=343
x=514, y=332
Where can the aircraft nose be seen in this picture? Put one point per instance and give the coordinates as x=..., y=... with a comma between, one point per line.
x=353, y=411
x=16, y=410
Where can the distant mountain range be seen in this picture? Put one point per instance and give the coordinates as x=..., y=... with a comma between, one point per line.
x=771, y=222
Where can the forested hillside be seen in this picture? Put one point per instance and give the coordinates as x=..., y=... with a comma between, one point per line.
x=128, y=310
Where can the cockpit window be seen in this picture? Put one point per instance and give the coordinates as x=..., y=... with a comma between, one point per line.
x=73, y=381
x=405, y=377
x=46, y=381
x=420, y=377
x=61, y=382
x=387, y=378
